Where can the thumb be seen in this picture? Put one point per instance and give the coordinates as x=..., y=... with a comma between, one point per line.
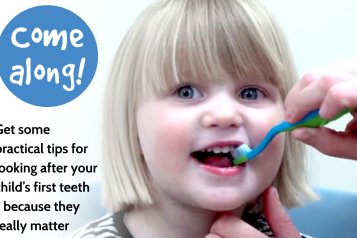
x=280, y=223
x=328, y=141
x=213, y=236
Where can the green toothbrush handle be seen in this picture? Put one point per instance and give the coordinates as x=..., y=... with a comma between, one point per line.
x=314, y=120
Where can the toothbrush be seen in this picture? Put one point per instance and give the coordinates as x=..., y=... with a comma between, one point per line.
x=243, y=153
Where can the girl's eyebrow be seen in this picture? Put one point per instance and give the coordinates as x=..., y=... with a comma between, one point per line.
x=190, y=77
x=187, y=76
x=257, y=78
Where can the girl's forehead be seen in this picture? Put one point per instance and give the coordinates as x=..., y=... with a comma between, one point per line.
x=187, y=47
x=186, y=74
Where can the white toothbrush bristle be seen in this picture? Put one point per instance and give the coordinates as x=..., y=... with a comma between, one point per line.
x=240, y=151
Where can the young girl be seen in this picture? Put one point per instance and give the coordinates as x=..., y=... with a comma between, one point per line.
x=192, y=80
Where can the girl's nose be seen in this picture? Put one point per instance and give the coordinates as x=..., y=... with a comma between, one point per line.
x=223, y=113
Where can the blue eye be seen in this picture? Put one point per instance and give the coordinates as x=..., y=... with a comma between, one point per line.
x=251, y=94
x=188, y=92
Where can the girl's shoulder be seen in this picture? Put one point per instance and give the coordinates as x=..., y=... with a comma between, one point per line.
x=259, y=222
x=102, y=227
x=112, y=225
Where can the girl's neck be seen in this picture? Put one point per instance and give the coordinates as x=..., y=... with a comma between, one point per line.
x=172, y=219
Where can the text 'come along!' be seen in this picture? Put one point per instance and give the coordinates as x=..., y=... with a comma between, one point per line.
x=17, y=76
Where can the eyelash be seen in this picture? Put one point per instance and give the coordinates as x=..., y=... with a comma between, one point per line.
x=239, y=94
x=187, y=86
x=252, y=88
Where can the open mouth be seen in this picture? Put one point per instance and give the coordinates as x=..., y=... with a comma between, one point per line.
x=217, y=156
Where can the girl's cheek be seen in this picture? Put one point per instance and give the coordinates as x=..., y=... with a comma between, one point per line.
x=171, y=131
x=261, y=125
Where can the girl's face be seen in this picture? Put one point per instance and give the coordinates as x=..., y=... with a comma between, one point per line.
x=201, y=115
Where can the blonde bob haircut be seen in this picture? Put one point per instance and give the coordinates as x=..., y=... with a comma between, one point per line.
x=240, y=37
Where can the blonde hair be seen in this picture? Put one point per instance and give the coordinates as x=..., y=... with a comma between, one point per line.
x=236, y=36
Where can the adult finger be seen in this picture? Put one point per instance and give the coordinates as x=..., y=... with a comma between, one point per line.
x=351, y=127
x=229, y=226
x=279, y=221
x=213, y=236
x=305, y=97
x=328, y=141
x=311, y=97
x=306, y=80
x=339, y=97
x=346, y=65
x=354, y=114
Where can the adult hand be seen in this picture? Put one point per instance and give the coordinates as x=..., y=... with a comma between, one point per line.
x=332, y=89
x=229, y=226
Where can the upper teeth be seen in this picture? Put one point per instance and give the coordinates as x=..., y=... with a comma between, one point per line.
x=218, y=150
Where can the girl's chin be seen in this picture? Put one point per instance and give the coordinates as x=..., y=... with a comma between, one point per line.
x=220, y=206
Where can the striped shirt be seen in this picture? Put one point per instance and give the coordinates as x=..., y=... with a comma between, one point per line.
x=112, y=226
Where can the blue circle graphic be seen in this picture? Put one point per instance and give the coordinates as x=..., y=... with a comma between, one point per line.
x=49, y=56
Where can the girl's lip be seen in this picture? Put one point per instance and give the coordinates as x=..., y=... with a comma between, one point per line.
x=227, y=172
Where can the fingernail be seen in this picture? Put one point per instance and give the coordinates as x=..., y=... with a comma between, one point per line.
x=323, y=111
x=275, y=193
x=288, y=115
x=304, y=134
